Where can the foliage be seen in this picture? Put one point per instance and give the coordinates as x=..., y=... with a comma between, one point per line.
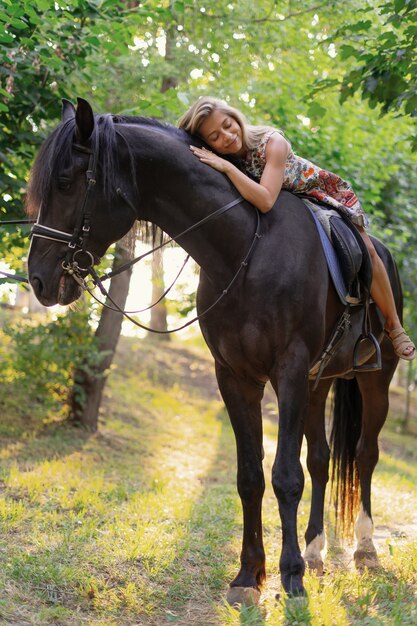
x=37, y=361
x=42, y=46
x=382, y=43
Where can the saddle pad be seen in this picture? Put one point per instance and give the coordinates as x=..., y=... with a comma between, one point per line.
x=332, y=260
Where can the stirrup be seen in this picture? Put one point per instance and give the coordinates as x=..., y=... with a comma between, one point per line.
x=375, y=365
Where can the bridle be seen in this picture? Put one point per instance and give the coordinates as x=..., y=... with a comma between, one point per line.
x=77, y=242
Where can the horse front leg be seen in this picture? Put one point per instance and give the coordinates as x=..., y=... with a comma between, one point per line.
x=374, y=388
x=318, y=458
x=243, y=402
x=291, y=385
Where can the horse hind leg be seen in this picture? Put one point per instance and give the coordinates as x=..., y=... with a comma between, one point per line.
x=318, y=457
x=365, y=555
x=243, y=403
x=374, y=389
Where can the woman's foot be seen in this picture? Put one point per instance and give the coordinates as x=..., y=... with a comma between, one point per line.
x=402, y=344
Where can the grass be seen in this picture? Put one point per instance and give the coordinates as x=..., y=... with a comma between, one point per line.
x=141, y=524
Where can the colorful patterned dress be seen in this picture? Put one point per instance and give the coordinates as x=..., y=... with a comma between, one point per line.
x=302, y=176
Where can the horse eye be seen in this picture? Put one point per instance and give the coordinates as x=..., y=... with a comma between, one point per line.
x=64, y=184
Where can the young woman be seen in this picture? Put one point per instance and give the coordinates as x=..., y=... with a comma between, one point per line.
x=269, y=159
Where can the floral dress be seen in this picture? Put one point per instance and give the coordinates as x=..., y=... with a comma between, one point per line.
x=302, y=176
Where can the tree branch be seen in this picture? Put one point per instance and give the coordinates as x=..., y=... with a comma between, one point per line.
x=267, y=18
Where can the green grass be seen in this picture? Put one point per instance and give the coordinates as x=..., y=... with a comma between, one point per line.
x=141, y=524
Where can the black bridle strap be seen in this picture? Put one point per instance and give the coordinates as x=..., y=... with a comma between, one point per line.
x=19, y=279
x=45, y=232
x=27, y=221
x=15, y=277
x=150, y=306
x=82, y=227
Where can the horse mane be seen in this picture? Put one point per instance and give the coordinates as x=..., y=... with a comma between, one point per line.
x=55, y=154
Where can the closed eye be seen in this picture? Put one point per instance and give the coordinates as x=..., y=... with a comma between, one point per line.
x=64, y=184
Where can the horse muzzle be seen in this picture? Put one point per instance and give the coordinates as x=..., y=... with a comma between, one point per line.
x=64, y=291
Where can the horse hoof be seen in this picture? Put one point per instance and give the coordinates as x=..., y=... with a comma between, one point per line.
x=315, y=565
x=246, y=596
x=366, y=558
x=293, y=586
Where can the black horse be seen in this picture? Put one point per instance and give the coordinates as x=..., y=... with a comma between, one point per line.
x=93, y=177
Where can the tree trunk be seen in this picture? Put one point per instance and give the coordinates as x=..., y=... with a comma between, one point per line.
x=159, y=312
x=408, y=389
x=89, y=382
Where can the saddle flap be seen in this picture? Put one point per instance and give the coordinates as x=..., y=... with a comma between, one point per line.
x=347, y=249
x=352, y=252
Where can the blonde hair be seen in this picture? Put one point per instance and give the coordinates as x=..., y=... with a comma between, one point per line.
x=205, y=106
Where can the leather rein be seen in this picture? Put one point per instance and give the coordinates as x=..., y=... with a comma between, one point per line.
x=78, y=239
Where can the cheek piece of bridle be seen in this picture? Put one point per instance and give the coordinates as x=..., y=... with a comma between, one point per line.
x=74, y=263
x=77, y=240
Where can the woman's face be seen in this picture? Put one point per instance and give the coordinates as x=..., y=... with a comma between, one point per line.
x=222, y=133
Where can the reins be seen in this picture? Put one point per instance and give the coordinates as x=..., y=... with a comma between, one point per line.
x=19, y=279
x=74, y=270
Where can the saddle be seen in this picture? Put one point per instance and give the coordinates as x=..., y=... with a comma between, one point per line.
x=347, y=257
x=350, y=268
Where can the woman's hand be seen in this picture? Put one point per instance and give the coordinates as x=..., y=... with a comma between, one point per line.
x=210, y=158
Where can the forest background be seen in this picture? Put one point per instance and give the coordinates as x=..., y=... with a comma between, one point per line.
x=338, y=78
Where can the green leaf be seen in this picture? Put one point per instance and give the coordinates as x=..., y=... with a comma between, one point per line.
x=178, y=6
x=399, y=5
x=347, y=51
x=360, y=26
x=43, y=5
x=411, y=106
x=4, y=17
x=316, y=110
x=6, y=38
x=19, y=24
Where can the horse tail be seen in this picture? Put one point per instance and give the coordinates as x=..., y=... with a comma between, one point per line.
x=345, y=433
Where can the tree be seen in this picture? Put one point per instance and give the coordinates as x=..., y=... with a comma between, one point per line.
x=89, y=381
x=43, y=45
x=383, y=45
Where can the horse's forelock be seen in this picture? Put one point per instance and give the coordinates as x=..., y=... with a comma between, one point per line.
x=53, y=154
x=56, y=153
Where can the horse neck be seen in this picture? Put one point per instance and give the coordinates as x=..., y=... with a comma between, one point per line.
x=176, y=191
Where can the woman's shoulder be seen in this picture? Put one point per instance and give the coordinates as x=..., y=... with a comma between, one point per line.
x=277, y=145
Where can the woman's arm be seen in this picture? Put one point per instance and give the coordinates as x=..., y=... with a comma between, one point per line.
x=263, y=194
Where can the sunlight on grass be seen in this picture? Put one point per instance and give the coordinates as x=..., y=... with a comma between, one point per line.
x=141, y=523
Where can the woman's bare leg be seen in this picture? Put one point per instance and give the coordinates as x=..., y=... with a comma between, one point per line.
x=381, y=293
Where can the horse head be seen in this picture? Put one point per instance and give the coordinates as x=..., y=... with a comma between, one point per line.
x=75, y=194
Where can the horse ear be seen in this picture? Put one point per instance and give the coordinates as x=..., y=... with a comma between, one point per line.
x=68, y=110
x=84, y=117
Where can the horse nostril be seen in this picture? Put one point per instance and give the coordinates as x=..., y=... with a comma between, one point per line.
x=36, y=283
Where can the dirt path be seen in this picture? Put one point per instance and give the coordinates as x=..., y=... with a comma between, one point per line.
x=394, y=498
